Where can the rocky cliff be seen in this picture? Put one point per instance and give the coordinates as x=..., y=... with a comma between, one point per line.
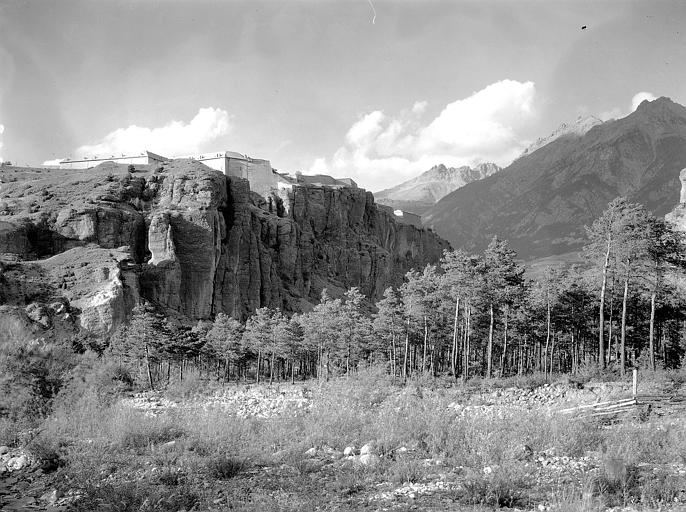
x=85, y=246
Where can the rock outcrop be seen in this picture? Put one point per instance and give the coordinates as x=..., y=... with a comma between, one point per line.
x=84, y=246
x=678, y=216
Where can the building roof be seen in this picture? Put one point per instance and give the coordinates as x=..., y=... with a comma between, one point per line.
x=319, y=179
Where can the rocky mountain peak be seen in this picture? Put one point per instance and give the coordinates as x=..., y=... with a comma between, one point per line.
x=578, y=128
x=420, y=193
x=659, y=111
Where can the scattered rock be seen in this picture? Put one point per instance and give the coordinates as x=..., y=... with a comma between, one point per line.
x=369, y=459
x=367, y=449
x=349, y=451
x=4, y=450
x=51, y=497
x=311, y=452
x=524, y=453
x=18, y=463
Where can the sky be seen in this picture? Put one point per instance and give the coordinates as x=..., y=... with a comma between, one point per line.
x=373, y=90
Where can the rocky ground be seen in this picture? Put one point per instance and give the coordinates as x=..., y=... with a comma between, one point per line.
x=366, y=477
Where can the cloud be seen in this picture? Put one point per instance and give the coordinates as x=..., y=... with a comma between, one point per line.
x=639, y=97
x=619, y=112
x=381, y=150
x=173, y=139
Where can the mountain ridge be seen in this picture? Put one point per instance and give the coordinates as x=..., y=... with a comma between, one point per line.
x=420, y=193
x=542, y=200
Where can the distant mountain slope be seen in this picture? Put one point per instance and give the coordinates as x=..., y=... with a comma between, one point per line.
x=579, y=127
x=419, y=194
x=542, y=201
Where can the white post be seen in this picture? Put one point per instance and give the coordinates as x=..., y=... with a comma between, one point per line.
x=635, y=388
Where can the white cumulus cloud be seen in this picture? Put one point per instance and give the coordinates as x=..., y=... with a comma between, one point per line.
x=619, y=112
x=639, y=97
x=381, y=150
x=173, y=139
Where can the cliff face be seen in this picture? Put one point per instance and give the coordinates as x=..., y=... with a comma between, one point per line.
x=93, y=243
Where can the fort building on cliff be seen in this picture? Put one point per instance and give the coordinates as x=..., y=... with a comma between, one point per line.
x=262, y=177
x=143, y=158
x=402, y=216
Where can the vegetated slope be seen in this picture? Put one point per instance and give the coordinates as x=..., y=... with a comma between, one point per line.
x=419, y=194
x=86, y=245
x=542, y=201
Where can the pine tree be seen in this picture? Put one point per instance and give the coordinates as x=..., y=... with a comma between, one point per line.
x=606, y=237
x=224, y=341
x=389, y=327
x=501, y=280
x=665, y=250
x=420, y=296
x=139, y=340
x=459, y=285
x=259, y=335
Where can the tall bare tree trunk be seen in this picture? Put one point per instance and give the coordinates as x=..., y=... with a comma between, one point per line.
x=552, y=354
x=147, y=364
x=624, y=304
x=453, y=358
x=489, y=348
x=465, y=364
x=259, y=360
x=651, y=341
x=503, y=356
x=601, y=326
x=393, y=354
x=547, y=337
x=407, y=349
x=426, y=339
x=608, y=355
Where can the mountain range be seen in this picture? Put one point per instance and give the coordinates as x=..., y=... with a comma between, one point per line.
x=421, y=193
x=542, y=201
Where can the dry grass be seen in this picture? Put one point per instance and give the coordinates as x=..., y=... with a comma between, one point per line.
x=191, y=449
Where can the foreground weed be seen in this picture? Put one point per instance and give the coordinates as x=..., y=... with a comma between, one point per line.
x=129, y=496
x=225, y=467
x=406, y=470
x=349, y=481
x=502, y=487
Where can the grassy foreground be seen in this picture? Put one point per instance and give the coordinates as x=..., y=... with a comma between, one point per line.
x=427, y=453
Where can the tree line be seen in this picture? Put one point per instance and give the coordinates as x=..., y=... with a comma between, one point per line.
x=468, y=315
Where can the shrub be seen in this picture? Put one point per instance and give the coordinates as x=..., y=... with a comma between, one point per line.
x=225, y=467
x=130, y=496
x=406, y=470
x=49, y=452
x=144, y=432
x=502, y=487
